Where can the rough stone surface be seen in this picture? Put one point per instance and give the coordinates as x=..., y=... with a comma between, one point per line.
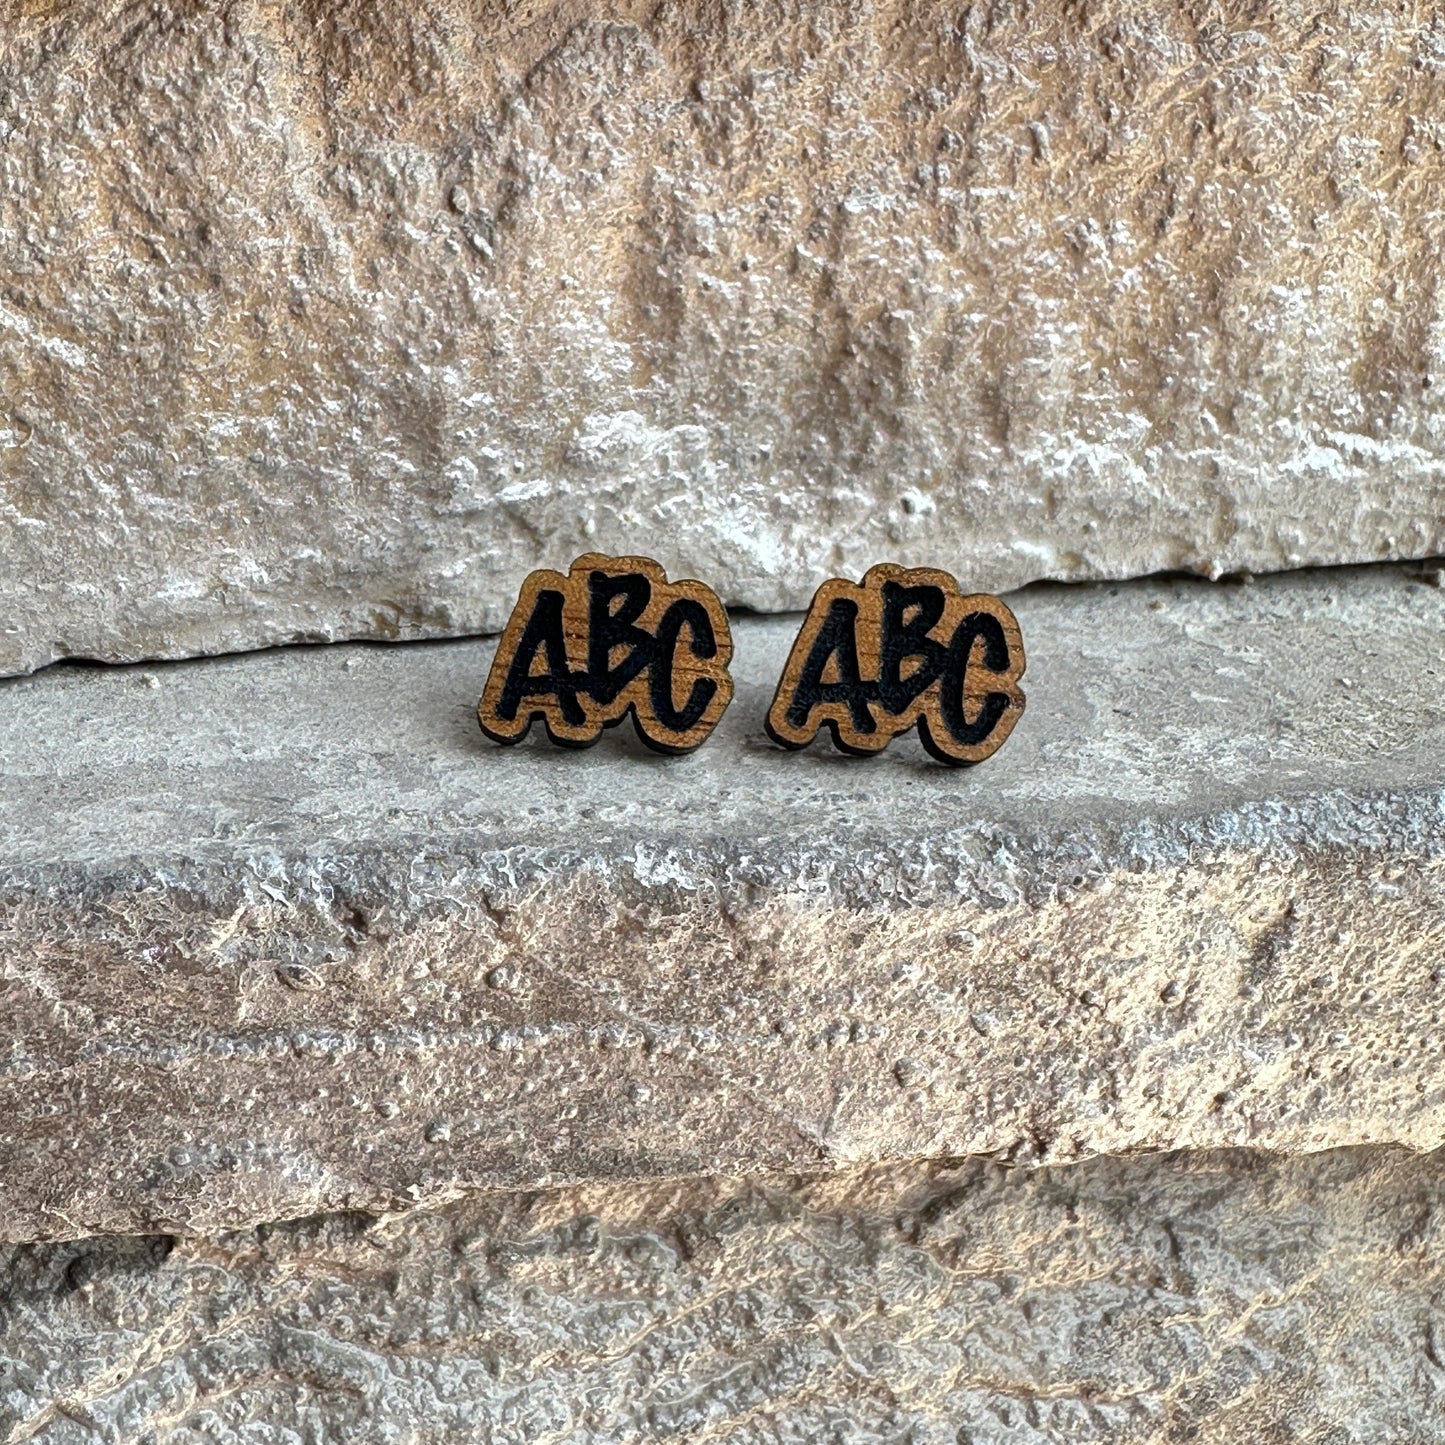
x=282, y=933
x=1210, y=1298
x=331, y=320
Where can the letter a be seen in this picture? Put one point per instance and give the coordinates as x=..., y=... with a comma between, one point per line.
x=807, y=698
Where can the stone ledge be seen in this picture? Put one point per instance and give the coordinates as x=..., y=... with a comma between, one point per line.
x=282, y=933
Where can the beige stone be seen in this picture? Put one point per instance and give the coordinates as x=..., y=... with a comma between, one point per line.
x=332, y=321
x=283, y=933
x=1212, y=1298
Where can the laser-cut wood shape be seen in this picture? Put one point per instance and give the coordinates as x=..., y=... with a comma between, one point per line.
x=612, y=637
x=905, y=647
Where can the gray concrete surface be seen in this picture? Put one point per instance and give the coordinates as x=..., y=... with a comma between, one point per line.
x=282, y=933
x=1212, y=1298
x=332, y=321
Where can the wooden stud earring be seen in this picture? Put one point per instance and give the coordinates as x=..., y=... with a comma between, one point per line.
x=611, y=637
x=904, y=647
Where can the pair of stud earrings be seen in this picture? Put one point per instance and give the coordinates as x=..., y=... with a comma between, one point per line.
x=903, y=648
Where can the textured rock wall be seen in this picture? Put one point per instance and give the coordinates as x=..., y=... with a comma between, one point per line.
x=332, y=320
x=1210, y=1298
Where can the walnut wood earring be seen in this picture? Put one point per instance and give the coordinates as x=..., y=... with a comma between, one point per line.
x=905, y=647
x=612, y=637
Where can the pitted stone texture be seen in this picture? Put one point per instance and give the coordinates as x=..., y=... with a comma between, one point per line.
x=1211, y=1298
x=282, y=933
x=332, y=321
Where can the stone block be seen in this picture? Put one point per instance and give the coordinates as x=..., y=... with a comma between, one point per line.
x=326, y=322
x=283, y=933
x=1214, y=1297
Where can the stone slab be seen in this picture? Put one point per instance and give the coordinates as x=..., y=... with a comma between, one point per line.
x=1211, y=1297
x=283, y=933
x=328, y=322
